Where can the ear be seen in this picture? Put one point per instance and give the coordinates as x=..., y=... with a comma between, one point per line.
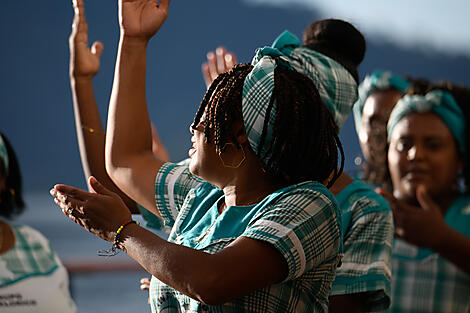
x=240, y=132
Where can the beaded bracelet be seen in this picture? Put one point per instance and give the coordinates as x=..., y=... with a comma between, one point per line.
x=115, y=248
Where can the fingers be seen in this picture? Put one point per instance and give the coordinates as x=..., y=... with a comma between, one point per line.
x=206, y=74
x=425, y=200
x=145, y=283
x=230, y=60
x=220, y=53
x=72, y=192
x=97, y=48
x=98, y=188
x=212, y=64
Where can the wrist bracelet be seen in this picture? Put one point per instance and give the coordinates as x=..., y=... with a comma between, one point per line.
x=117, y=238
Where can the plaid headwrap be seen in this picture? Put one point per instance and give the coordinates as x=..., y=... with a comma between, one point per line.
x=438, y=101
x=378, y=80
x=336, y=86
x=3, y=153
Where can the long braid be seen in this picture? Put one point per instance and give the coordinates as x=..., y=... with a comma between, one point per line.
x=304, y=144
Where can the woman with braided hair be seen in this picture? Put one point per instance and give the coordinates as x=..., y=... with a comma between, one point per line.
x=253, y=229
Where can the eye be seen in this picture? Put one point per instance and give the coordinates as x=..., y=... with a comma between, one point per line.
x=403, y=144
x=433, y=145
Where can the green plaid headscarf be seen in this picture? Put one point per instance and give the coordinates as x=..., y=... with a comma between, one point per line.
x=336, y=86
x=439, y=102
x=3, y=153
x=378, y=80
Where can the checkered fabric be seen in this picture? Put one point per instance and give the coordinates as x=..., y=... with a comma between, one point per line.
x=336, y=86
x=30, y=256
x=425, y=282
x=3, y=153
x=378, y=80
x=367, y=226
x=302, y=221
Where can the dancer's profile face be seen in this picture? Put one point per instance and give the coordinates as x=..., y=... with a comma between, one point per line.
x=204, y=159
x=375, y=114
x=423, y=152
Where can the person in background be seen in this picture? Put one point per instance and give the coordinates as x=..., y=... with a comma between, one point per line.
x=32, y=277
x=378, y=94
x=240, y=204
x=428, y=160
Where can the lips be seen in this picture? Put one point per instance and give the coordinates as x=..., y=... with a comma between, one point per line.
x=416, y=173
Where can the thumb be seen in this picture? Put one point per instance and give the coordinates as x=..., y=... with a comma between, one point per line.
x=425, y=200
x=97, y=187
x=97, y=48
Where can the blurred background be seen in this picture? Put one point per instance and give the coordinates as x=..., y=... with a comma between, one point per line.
x=429, y=39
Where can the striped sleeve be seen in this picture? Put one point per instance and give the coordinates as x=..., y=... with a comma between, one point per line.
x=366, y=266
x=172, y=184
x=303, y=226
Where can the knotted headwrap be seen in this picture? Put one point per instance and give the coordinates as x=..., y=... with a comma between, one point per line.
x=336, y=86
x=439, y=102
x=379, y=80
x=3, y=153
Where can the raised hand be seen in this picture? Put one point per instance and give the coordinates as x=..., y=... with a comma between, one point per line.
x=100, y=212
x=84, y=62
x=218, y=62
x=422, y=225
x=142, y=18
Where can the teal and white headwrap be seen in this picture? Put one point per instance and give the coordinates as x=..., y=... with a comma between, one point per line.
x=439, y=102
x=336, y=86
x=3, y=153
x=378, y=80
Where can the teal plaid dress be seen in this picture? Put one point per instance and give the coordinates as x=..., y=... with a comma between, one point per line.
x=368, y=234
x=425, y=282
x=302, y=221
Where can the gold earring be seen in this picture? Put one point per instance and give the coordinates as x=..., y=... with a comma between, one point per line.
x=231, y=165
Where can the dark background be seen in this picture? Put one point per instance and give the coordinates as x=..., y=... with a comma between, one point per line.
x=36, y=110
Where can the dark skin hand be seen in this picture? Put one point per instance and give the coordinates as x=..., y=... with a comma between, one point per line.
x=424, y=226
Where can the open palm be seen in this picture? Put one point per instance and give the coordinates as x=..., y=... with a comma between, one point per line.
x=83, y=60
x=142, y=18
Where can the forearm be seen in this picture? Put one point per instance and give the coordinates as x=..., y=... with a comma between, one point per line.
x=240, y=268
x=128, y=129
x=455, y=247
x=187, y=270
x=91, y=135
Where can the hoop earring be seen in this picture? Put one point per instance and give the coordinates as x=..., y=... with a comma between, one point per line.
x=237, y=165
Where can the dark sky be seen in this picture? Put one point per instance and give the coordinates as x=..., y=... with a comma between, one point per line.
x=36, y=106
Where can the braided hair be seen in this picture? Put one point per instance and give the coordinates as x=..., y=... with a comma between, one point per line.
x=305, y=143
x=11, y=197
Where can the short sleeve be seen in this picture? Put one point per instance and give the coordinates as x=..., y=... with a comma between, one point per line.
x=304, y=226
x=151, y=219
x=366, y=266
x=172, y=185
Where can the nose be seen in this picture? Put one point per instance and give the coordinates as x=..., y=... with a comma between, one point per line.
x=191, y=129
x=415, y=153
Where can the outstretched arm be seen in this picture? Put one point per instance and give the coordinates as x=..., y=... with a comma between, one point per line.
x=207, y=279
x=129, y=158
x=84, y=65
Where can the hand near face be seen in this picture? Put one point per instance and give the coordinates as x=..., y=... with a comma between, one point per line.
x=422, y=226
x=142, y=18
x=84, y=62
x=100, y=212
x=218, y=62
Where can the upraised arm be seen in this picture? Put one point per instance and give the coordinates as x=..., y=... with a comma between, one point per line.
x=84, y=65
x=129, y=158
